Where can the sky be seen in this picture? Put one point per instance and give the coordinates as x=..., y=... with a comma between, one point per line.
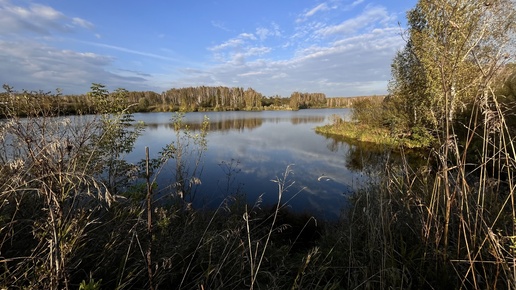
x=336, y=47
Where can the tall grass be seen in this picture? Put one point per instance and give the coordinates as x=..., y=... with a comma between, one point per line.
x=478, y=223
x=51, y=195
x=447, y=223
x=452, y=221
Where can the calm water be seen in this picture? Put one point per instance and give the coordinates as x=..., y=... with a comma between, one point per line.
x=257, y=147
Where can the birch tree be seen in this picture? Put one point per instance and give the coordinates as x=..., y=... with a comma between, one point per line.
x=454, y=49
x=454, y=55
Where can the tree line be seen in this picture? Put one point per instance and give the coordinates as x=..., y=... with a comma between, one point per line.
x=189, y=99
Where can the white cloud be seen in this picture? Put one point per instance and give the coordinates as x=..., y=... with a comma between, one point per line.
x=45, y=12
x=316, y=10
x=252, y=51
x=33, y=65
x=83, y=23
x=371, y=16
x=357, y=2
x=36, y=19
x=251, y=73
x=237, y=50
x=354, y=65
x=234, y=42
x=240, y=57
x=320, y=7
x=337, y=58
x=263, y=33
x=228, y=44
x=128, y=50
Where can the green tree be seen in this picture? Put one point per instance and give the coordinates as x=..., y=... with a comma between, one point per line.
x=143, y=104
x=408, y=104
x=453, y=51
x=368, y=111
x=116, y=137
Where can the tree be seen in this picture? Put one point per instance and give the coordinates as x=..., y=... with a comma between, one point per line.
x=294, y=100
x=115, y=138
x=408, y=103
x=368, y=111
x=453, y=52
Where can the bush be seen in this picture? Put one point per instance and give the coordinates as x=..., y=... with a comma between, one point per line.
x=368, y=111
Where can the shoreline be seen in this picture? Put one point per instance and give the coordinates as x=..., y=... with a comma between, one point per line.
x=368, y=134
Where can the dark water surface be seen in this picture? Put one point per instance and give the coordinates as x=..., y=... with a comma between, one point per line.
x=246, y=150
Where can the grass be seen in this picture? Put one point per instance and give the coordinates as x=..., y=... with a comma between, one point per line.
x=370, y=134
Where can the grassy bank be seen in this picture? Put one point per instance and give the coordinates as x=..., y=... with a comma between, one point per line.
x=371, y=134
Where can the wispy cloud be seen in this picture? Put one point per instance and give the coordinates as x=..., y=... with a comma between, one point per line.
x=36, y=18
x=320, y=50
x=219, y=25
x=263, y=32
x=83, y=23
x=371, y=16
x=246, y=45
x=251, y=73
x=315, y=10
x=320, y=7
x=139, y=73
x=128, y=50
x=357, y=2
x=31, y=64
x=45, y=12
x=234, y=42
x=354, y=57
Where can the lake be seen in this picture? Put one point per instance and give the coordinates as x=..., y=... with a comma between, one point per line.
x=247, y=150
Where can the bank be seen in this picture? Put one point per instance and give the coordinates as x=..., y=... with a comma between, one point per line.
x=372, y=134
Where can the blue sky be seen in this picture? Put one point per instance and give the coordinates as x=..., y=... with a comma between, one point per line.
x=336, y=47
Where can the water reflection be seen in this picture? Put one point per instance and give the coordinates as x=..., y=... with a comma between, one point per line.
x=261, y=146
x=224, y=125
x=363, y=157
x=374, y=160
x=232, y=121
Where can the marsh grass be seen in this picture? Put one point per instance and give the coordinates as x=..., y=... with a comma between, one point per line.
x=367, y=133
x=51, y=196
x=450, y=221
